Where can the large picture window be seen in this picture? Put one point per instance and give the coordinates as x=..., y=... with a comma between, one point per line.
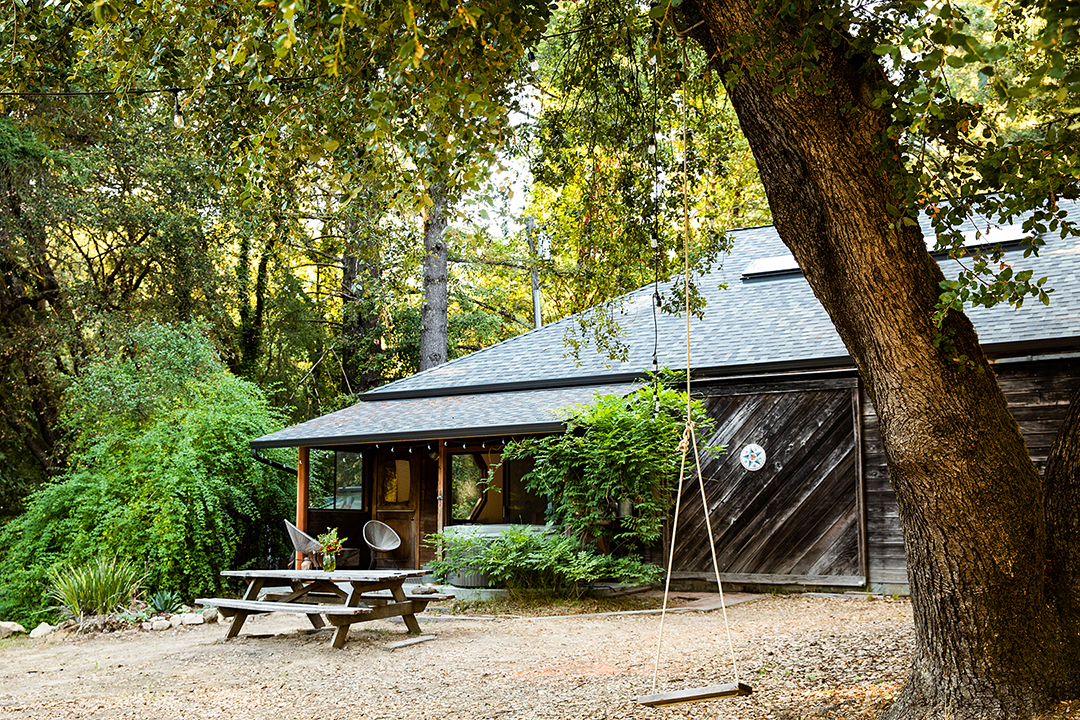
x=336, y=481
x=484, y=489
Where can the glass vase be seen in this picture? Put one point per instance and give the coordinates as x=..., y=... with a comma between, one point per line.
x=329, y=562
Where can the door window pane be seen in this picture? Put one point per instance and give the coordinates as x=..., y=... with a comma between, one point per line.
x=396, y=481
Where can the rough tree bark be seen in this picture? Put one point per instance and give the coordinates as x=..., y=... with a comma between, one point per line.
x=360, y=320
x=990, y=637
x=433, y=322
x=1061, y=479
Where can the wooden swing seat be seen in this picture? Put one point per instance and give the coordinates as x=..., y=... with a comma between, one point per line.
x=695, y=694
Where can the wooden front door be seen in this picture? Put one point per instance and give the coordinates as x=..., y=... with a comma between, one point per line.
x=797, y=519
x=397, y=500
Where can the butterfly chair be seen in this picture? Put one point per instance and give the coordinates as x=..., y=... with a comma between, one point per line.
x=303, y=543
x=381, y=538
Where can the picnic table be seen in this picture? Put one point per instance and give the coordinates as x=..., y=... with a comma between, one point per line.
x=319, y=594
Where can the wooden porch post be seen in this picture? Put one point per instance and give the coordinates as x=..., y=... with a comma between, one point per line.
x=444, y=486
x=302, y=476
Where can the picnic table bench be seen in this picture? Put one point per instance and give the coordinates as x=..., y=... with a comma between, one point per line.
x=317, y=593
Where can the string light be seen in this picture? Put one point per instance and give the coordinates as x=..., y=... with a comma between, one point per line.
x=652, y=145
x=177, y=116
x=534, y=64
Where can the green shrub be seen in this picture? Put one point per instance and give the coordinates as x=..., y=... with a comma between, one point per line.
x=617, y=449
x=160, y=473
x=164, y=602
x=523, y=560
x=100, y=587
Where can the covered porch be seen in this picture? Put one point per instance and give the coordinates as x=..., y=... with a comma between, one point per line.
x=420, y=464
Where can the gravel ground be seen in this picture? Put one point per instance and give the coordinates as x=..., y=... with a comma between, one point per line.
x=806, y=657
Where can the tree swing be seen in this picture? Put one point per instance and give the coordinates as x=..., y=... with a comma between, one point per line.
x=689, y=440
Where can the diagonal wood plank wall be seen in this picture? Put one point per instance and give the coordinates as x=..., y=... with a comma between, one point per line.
x=800, y=516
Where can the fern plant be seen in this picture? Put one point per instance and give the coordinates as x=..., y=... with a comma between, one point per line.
x=525, y=561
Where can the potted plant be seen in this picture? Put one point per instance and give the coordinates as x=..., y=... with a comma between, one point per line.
x=329, y=547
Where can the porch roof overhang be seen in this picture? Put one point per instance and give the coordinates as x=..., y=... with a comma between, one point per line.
x=478, y=414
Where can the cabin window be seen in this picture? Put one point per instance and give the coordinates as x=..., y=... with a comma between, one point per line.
x=467, y=475
x=349, y=487
x=522, y=506
x=484, y=489
x=336, y=480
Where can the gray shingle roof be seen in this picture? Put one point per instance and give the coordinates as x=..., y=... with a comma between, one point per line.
x=754, y=325
x=773, y=322
x=414, y=419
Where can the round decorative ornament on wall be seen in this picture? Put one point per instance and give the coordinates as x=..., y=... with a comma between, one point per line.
x=752, y=457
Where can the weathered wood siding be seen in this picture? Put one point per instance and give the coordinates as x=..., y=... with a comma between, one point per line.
x=1038, y=393
x=799, y=518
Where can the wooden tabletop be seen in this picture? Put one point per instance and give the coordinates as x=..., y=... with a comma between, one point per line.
x=336, y=576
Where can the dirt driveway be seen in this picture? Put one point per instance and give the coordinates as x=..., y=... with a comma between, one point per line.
x=805, y=657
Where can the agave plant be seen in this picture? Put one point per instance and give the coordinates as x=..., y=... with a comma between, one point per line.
x=164, y=602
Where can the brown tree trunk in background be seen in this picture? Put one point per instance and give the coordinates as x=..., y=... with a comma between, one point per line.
x=252, y=309
x=30, y=300
x=433, y=321
x=989, y=639
x=360, y=315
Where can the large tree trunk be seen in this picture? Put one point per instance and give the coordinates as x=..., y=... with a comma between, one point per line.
x=433, y=322
x=1062, y=483
x=989, y=642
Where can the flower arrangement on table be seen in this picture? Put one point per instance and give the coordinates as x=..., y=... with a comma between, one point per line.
x=329, y=547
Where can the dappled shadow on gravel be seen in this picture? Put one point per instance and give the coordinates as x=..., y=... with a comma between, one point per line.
x=806, y=658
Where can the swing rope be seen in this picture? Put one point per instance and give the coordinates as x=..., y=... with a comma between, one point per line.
x=689, y=438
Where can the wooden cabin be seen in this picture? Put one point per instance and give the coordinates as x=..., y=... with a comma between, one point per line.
x=424, y=452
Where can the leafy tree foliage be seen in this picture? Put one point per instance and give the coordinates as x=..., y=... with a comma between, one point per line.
x=160, y=474
x=616, y=449
x=857, y=123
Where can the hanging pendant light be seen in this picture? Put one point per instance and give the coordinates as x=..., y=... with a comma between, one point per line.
x=177, y=115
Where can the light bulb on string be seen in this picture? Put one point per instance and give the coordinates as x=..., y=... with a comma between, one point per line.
x=534, y=64
x=177, y=116
x=652, y=145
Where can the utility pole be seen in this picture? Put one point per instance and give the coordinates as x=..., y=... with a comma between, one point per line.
x=530, y=225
